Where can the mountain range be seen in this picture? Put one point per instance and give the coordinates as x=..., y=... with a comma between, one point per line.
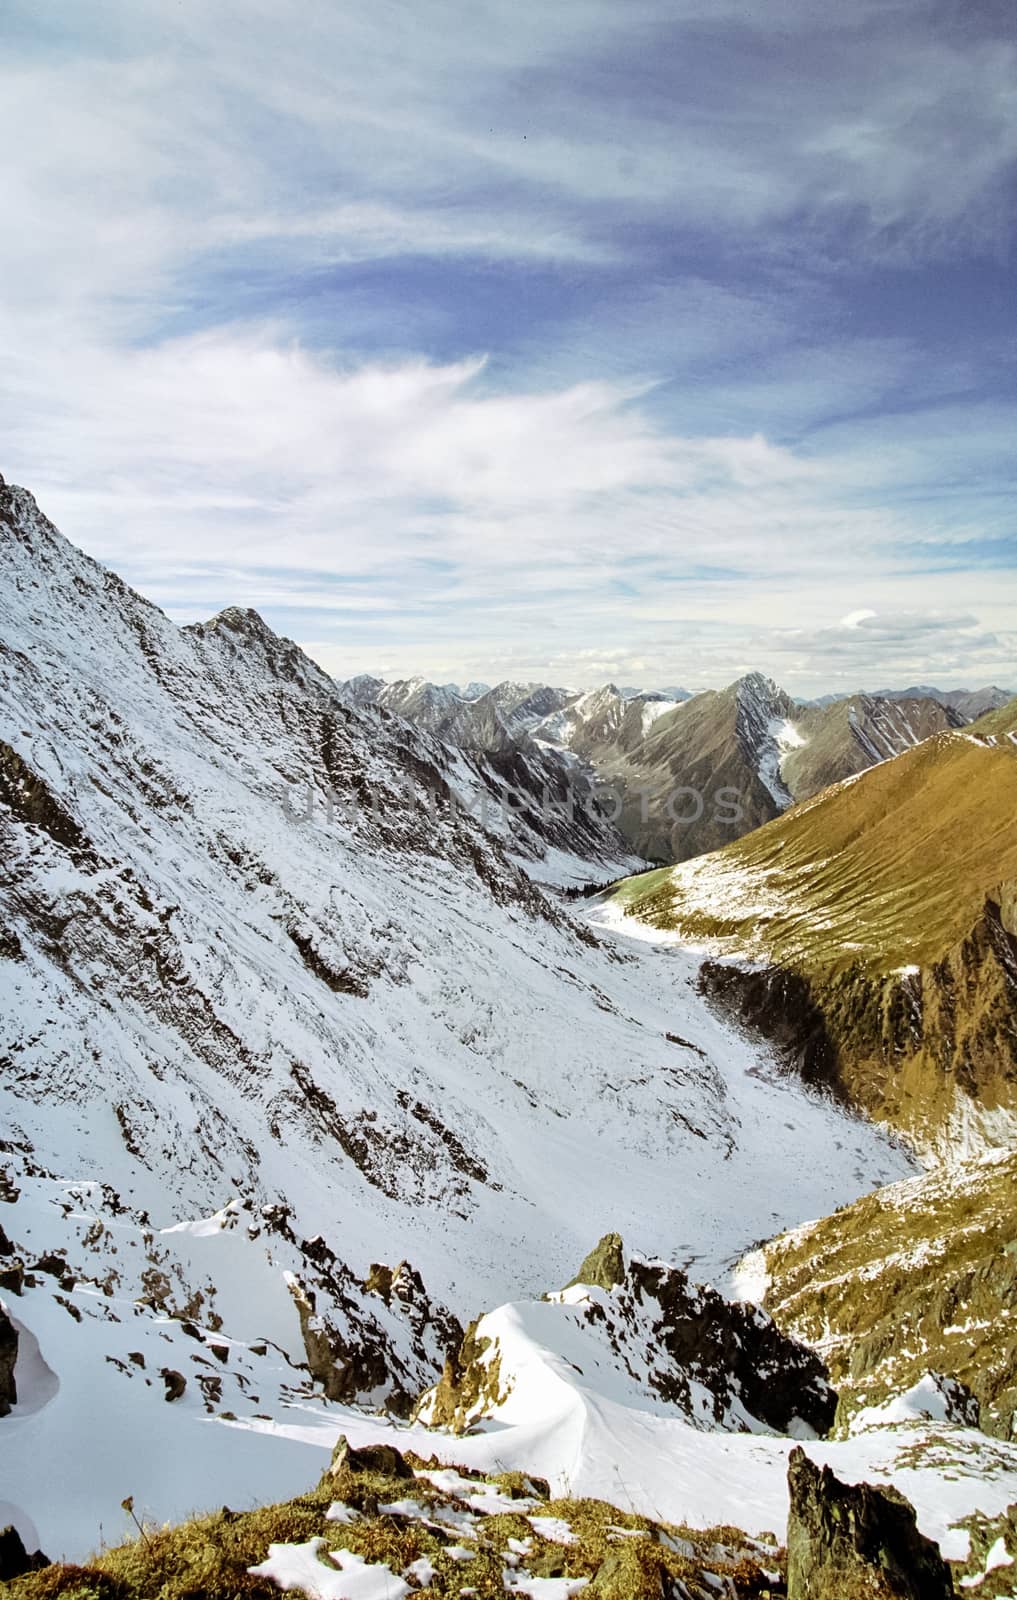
x=683, y=774
x=319, y=1079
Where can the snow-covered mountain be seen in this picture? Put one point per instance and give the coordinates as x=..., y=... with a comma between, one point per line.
x=474, y=718
x=301, y=1068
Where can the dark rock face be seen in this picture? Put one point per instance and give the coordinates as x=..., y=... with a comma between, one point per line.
x=14, y=1558
x=780, y=1007
x=896, y=1045
x=723, y=1365
x=734, y=1351
x=366, y=1364
x=846, y=1540
x=175, y=1383
x=8, y=1357
x=12, y=1278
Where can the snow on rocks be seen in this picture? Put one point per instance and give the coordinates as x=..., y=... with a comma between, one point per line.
x=273, y=1004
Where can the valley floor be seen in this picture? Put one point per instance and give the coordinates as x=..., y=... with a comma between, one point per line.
x=752, y=1155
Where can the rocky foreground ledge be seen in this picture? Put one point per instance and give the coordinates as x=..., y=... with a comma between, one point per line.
x=382, y=1525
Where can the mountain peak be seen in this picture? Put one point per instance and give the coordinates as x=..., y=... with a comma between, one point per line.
x=239, y=619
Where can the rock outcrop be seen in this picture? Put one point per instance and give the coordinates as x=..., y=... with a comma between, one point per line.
x=384, y=1459
x=605, y=1264
x=719, y=1364
x=8, y=1359
x=846, y=1541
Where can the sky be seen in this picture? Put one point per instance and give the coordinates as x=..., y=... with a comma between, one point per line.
x=645, y=340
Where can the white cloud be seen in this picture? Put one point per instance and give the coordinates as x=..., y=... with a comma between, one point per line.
x=182, y=156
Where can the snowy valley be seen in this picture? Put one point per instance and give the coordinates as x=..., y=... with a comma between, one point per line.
x=307, y=1064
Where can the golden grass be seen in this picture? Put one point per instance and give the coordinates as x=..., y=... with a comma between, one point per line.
x=208, y=1557
x=888, y=870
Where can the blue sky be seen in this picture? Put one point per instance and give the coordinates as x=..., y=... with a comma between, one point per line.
x=647, y=341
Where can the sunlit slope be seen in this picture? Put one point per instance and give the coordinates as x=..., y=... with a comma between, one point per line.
x=887, y=870
x=880, y=921
x=918, y=1277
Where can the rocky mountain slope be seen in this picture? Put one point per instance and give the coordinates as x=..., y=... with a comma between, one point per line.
x=682, y=776
x=697, y=775
x=882, y=921
x=851, y=735
x=300, y=1067
x=490, y=719
x=919, y=1277
x=970, y=703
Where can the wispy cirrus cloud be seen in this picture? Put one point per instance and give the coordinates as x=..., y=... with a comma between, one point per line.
x=458, y=343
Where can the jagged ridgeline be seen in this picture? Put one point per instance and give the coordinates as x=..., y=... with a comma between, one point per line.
x=301, y=1066
x=881, y=917
x=686, y=773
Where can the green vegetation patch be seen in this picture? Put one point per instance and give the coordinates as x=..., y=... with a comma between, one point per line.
x=623, y=1556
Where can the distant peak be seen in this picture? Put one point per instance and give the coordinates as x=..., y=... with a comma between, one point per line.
x=239, y=619
x=757, y=683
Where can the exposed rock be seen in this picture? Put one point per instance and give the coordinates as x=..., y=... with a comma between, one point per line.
x=14, y=1558
x=362, y=1360
x=381, y=1458
x=379, y=1281
x=175, y=1383
x=53, y=1265
x=8, y=1359
x=605, y=1264
x=732, y=1351
x=28, y=797
x=917, y=1279
x=845, y=1540
x=12, y=1278
x=721, y=1364
x=780, y=1007
x=934, y=1398
x=469, y=1385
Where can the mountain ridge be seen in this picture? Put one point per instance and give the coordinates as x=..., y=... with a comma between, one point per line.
x=300, y=1063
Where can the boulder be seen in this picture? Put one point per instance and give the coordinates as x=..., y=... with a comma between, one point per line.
x=633, y=1570
x=175, y=1383
x=845, y=1540
x=8, y=1358
x=52, y=1264
x=12, y=1278
x=604, y=1266
x=381, y=1458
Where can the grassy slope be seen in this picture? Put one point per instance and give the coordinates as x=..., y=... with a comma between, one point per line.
x=210, y=1557
x=889, y=869
x=884, y=911
x=920, y=1276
